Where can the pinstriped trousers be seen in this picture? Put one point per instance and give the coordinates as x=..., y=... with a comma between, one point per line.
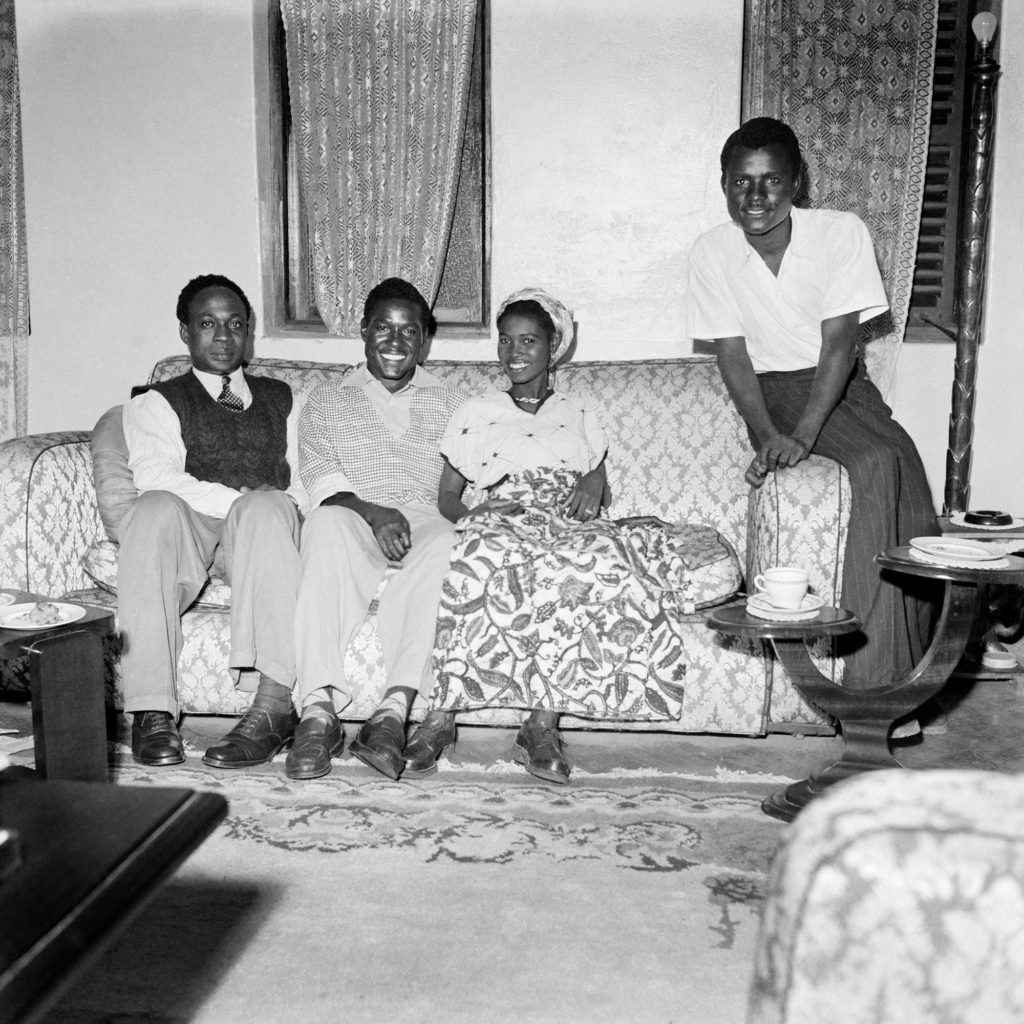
x=891, y=502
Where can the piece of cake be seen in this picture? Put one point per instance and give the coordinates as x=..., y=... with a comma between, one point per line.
x=45, y=613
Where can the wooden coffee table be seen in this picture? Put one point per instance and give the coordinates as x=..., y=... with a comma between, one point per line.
x=91, y=854
x=69, y=725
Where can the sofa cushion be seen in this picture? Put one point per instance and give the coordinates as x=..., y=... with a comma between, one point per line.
x=115, y=487
x=715, y=573
x=100, y=564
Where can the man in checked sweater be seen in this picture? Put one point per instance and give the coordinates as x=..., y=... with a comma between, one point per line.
x=369, y=458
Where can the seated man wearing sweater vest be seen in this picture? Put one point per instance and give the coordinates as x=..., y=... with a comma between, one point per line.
x=370, y=460
x=210, y=455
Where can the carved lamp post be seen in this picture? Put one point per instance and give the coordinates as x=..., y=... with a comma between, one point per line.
x=971, y=273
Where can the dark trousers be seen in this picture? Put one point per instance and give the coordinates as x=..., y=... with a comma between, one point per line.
x=891, y=502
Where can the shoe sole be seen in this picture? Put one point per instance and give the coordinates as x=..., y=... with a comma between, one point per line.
x=334, y=751
x=374, y=760
x=419, y=773
x=520, y=756
x=158, y=762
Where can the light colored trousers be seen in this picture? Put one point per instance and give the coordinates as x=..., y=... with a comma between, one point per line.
x=167, y=553
x=342, y=567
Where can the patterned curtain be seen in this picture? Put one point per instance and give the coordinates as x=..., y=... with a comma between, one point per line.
x=378, y=91
x=13, y=255
x=853, y=78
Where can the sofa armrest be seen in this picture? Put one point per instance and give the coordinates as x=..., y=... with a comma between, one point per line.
x=799, y=516
x=897, y=896
x=48, y=512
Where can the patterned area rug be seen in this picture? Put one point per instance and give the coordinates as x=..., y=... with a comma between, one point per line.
x=475, y=896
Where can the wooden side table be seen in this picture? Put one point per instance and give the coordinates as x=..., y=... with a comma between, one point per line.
x=866, y=716
x=69, y=724
x=971, y=664
x=789, y=640
x=964, y=588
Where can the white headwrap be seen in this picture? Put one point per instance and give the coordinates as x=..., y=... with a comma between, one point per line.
x=560, y=317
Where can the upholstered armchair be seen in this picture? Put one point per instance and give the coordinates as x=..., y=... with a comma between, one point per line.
x=898, y=897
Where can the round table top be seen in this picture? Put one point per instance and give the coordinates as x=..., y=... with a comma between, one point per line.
x=899, y=559
x=736, y=620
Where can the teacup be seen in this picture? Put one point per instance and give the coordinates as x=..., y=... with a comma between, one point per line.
x=784, y=586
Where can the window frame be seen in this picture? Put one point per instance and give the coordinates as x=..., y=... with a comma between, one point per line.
x=272, y=181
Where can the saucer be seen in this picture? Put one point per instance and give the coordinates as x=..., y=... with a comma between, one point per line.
x=996, y=561
x=760, y=606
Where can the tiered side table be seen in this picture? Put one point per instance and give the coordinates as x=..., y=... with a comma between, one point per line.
x=866, y=716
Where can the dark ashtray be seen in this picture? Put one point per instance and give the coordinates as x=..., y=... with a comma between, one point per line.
x=988, y=517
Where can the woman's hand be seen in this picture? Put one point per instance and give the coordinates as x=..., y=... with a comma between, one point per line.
x=586, y=501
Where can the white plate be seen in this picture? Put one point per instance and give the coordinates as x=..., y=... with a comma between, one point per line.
x=760, y=606
x=15, y=616
x=957, y=519
x=956, y=549
x=6, y=599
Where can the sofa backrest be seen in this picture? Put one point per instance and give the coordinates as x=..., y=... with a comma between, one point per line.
x=677, y=448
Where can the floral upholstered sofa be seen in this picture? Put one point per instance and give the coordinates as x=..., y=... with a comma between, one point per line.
x=677, y=450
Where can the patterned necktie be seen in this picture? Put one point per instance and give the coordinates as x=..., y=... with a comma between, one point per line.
x=227, y=397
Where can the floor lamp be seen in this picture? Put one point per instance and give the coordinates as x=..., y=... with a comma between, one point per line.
x=971, y=272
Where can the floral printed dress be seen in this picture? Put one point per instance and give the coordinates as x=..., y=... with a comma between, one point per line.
x=539, y=610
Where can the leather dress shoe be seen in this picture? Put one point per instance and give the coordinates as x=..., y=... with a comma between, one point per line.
x=433, y=735
x=539, y=748
x=155, y=738
x=256, y=739
x=380, y=744
x=317, y=739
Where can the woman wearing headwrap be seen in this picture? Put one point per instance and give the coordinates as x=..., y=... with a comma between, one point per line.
x=546, y=606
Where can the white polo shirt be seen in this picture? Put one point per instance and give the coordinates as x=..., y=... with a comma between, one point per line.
x=828, y=269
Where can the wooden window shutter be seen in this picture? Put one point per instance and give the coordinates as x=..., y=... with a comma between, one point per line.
x=934, y=289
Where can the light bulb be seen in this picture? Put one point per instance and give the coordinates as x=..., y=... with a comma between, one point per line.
x=984, y=27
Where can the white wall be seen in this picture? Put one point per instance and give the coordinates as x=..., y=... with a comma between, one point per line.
x=608, y=119
x=140, y=171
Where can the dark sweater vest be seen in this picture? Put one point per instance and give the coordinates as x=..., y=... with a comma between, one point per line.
x=237, y=449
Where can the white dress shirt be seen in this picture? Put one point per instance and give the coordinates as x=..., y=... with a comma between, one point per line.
x=156, y=451
x=829, y=269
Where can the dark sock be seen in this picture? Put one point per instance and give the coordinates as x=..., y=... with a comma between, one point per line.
x=274, y=695
x=395, y=704
x=320, y=709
